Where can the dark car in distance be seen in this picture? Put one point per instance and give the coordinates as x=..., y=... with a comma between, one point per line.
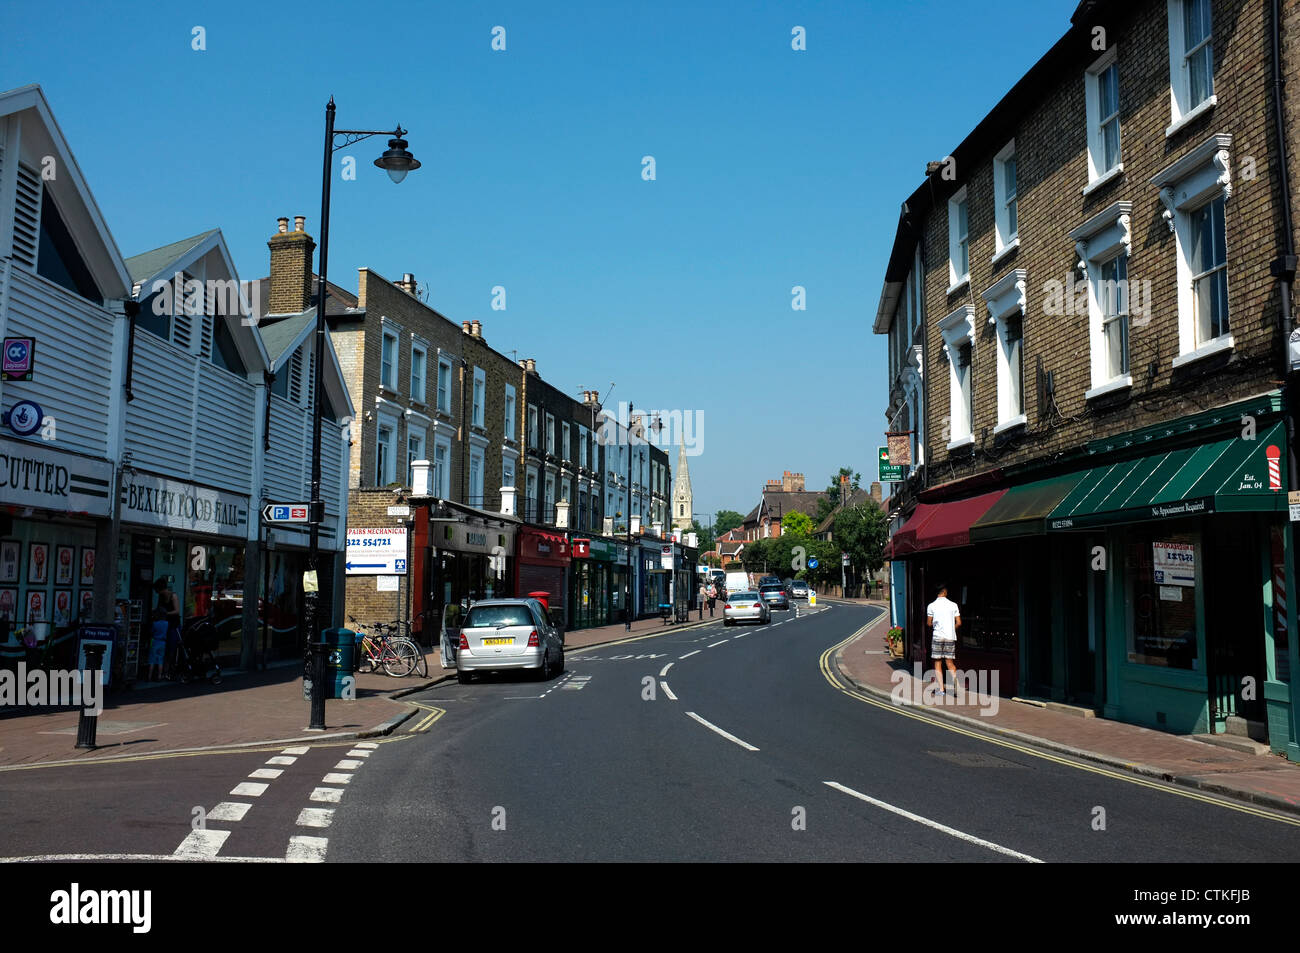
x=775, y=595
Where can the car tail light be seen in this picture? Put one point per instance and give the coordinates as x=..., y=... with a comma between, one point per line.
x=533, y=640
x=727, y=606
x=464, y=642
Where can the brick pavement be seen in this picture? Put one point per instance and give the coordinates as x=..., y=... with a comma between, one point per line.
x=247, y=708
x=1268, y=780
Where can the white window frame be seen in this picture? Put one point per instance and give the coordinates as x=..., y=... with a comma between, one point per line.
x=441, y=482
x=583, y=438
x=1005, y=237
x=477, y=476
x=444, y=364
x=509, y=470
x=389, y=381
x=1181, y=110
x=958, y=330
x=565, y=435
x=419, y=389
x=1006, y=297
x=1097, y=175
x=388, y=474
x=956, y=281
x=1201, y=176
x=478, y=406
x=421, y=436
x=550, y=434
x=511, y=412
x=532, y=426
x=1098, y=241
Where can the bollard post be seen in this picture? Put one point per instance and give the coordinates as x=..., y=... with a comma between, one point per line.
x=88, y=724
x=317, y=687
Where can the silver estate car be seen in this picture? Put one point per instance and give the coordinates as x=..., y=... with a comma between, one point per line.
x=502, y=634
x=745, y=607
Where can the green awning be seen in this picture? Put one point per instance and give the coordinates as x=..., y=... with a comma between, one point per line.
x=1023, y=510
x=1234, y=475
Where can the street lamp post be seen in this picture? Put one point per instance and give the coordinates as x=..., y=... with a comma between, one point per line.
x=396, y=161
x=630, y=586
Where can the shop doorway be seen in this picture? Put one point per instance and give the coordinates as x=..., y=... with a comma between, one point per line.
x=1081, y=617
x=1234, y=625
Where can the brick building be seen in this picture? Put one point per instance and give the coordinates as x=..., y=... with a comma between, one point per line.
x=1085, y=345
x=779, y=498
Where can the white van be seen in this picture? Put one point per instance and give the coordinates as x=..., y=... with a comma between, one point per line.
x=737, y=582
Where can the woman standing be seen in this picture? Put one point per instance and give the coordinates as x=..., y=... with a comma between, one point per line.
x=169, y=611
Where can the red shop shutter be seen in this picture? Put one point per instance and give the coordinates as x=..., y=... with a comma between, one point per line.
x=544, y=579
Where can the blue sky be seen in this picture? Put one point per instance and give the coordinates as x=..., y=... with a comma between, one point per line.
x=774, y=168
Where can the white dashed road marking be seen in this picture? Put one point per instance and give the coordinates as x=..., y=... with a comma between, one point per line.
x=359, y=753
x=249, y=789
x=281, y=759
x=726, y=734
x=668, y=691
x=269, y=774
x=316, y=817
x=367, y=744
x=335, y=777
x=348, y=764
x=306, y=850
x=664, y=670
x=203, y=843
x=297, y=749
x=228, y=811
x=716, y=644
x=689, y=654
x=326, y=795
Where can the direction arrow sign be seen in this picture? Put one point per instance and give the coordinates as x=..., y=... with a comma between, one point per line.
x=286, y=513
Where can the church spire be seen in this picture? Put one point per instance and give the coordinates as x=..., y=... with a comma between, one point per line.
x=683, y=513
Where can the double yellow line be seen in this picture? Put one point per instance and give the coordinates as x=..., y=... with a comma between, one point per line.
x=427, y=721
x=838, y=683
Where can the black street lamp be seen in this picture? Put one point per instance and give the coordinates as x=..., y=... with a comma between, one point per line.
x=396, y=161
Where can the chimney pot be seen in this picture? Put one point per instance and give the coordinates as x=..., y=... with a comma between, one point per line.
x=477, y=328
x=299, y=223
x=284, y=223
x=464, y=327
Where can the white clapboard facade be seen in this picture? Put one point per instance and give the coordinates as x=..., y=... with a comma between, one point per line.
x=162, y=435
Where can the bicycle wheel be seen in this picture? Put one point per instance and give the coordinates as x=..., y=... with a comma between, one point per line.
x=365, y=658
x=399, y=658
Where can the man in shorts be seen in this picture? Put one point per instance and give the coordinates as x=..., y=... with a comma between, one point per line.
x=944, y=619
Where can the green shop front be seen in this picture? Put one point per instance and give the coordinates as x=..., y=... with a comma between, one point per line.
x=592, y=591
x=1169, y=570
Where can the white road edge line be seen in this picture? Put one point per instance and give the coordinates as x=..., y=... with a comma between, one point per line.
x=668, y=691
x=726, y=734
x=971, y=838
x=689, y=654
x=48, y=858
x=664, y=670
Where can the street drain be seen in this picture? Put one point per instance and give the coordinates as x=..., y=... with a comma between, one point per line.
x=970, y=759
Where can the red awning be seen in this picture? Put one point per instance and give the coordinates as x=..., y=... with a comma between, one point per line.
x=941, y=525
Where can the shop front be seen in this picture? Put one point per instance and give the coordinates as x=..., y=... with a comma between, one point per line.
x=1182, y=544
x=542, y=560
x=459, y=555
x=592, y=595
x=653, y=578
x=194, y=537
x=55, y=504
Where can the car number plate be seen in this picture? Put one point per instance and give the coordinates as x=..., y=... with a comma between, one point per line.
x=498, y=641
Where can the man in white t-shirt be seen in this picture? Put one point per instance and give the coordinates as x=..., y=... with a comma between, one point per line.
x=944, y=619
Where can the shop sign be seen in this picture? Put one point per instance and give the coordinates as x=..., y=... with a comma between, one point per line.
x=19, y=359
x=35, y=475
x=376, y=551
x=666, y=556
x=1293, y=503
x=158, y=501
x=581, y=548
x=1174, y=563
x=1171, y=593
x=476, y=538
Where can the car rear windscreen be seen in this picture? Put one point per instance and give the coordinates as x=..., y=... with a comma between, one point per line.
x=481, y=617
x=773, y=588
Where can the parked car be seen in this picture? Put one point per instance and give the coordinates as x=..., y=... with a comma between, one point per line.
x=503, y=634
x=775, y=596
x=747, y=606
x=799, y=589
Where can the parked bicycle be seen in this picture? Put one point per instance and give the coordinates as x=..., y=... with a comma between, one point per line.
x=402, y=630
x=395, y=654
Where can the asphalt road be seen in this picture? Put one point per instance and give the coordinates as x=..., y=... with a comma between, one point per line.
x=704, y=744
x=604, y=763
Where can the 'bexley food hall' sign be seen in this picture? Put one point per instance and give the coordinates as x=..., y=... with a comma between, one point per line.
x=157, y=501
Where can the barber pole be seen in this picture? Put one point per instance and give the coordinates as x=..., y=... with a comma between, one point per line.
x=1274, y=467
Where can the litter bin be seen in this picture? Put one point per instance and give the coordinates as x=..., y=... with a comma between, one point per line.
x=340, y=662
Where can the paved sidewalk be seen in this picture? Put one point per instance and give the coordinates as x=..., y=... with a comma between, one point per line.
x=1267, y=780
x=248, y=708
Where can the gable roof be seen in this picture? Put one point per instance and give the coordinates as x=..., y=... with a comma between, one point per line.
x=149, y=264
x=71, y=193
x=280, y=338
x=855, y=497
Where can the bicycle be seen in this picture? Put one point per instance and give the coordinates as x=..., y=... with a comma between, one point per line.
x=396, y=655
x=403, y=633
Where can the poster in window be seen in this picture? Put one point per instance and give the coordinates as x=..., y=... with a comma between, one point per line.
x=10, y=552
x=87, y=566
x=87, y=601
x=62, y=607
x=63, y=566
x=8, y=605
x=36, y=607
x=38, y=564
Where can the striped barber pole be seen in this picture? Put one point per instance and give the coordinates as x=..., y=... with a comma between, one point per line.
x=1274, y=467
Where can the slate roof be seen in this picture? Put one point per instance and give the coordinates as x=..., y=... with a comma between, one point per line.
x=855, y=497
x=340, y=300
x=277, y=336
x=147, y=264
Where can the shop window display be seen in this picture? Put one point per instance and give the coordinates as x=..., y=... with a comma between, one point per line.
x=1163, y=575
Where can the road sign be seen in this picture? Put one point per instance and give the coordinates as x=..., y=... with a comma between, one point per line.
x=286, y=513
x=376, y=551
x=812, y=563
x=844, y=559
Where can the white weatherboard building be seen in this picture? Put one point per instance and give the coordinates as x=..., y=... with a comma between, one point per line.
x=163, y=434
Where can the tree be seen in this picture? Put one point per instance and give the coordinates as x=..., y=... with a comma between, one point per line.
x=754, y=555
x=797, y=524
x=831, y=499
x=862, y=531
x=706, y=539
x=725, y=520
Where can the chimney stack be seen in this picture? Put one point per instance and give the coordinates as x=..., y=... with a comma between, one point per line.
x=464, y=327
x=532, y=366
x=875, y=492
x=477, y=329
x=844, y=489
x=291, y=272
x=407, y=283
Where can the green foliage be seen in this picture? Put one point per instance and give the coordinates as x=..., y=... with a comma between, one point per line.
x=725, y=520
x=797, y=524
x=831, y=498
x=754, y=556
x=862, y=531
x=706, y=538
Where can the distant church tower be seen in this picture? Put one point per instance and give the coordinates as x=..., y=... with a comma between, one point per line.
x=683, y=514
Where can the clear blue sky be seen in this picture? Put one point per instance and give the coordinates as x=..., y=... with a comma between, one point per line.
x=775, y=168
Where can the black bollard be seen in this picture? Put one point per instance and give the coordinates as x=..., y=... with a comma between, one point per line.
x=88, y=724
x=317, y=686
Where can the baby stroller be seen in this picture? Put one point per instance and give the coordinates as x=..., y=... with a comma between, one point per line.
x=195, y=656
